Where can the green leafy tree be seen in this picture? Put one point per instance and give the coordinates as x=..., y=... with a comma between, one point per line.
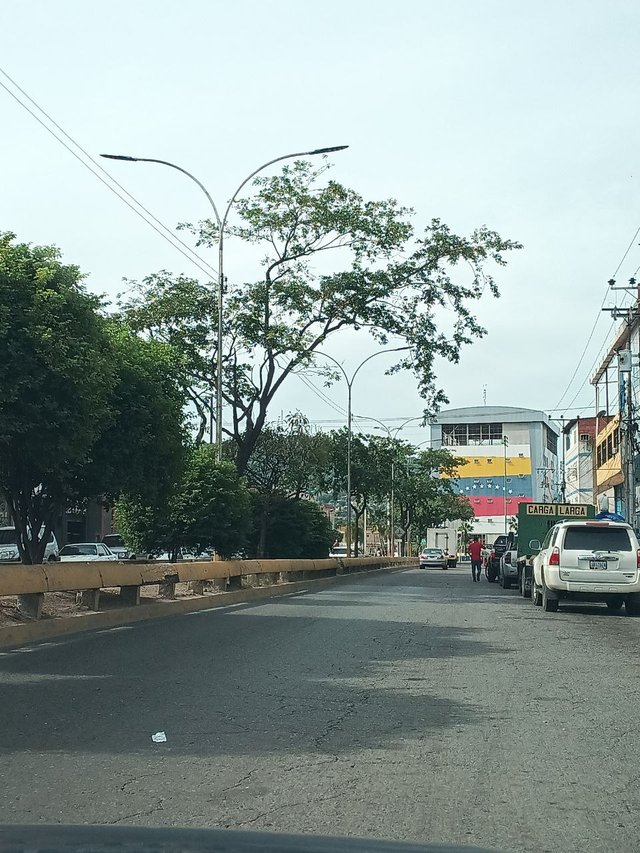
x=465, y=530
x=86, y=409
x=178, y=311
x=295, y=529
x=209, y=507
x=378, y=273
x=372, y=458
x=288, y=462
x=424, y=490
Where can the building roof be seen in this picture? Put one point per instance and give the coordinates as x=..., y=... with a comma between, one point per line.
x=489, y=414
x=588, y=426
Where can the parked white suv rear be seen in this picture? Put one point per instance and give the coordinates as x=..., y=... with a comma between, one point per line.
x=587, y=561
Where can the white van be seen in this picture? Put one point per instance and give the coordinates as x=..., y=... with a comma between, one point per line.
x=587, y=561
x=9, y=546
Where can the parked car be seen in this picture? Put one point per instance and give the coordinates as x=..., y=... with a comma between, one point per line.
x=338, y=551
x=181, y=557
x=115, y=543
x=493, y=560
x=587, y=561
x=86, y=552
x=433, y=557
x=9, y=546
x=508, y=572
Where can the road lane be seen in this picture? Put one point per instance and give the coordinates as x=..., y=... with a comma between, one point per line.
x=414, y=706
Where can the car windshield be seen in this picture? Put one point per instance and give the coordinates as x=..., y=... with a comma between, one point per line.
x=433, y=552
x=8, y=536
x=113, y=540
x=78, y=550
x=595, y=538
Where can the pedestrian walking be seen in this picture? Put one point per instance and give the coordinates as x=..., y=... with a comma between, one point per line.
x=475, y=552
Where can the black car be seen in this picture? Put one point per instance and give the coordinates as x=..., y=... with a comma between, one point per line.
x=497, y=550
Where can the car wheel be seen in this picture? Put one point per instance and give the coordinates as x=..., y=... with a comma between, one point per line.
x=614, y=604
x=536, y=593
x=549, y=604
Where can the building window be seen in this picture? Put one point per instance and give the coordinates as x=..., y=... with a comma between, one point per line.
x=471, y=434
x=567, y=442
x=552, y=441
x=475, y=434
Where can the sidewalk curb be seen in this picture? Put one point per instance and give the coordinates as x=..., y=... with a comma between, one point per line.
x=49, y=629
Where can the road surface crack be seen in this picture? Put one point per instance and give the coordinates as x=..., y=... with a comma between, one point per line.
x=240, y=781
x=157, y=808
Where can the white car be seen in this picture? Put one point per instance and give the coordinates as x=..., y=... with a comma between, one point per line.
x=9, y=546
x=433, y=557
x=115, y=544
x=587, y=561
x=86, y=552
x=338, y=551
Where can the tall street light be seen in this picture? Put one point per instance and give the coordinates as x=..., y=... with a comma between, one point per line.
x=392, y=435
x=221, y=226
x=350, y=382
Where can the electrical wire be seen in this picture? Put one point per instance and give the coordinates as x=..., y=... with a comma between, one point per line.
x=593, y=328
x=175, y=241
x=321, y=395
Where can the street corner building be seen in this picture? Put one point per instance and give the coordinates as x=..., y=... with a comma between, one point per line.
x=508, y=456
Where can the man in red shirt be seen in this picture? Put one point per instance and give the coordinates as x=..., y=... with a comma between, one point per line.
x=475, y=552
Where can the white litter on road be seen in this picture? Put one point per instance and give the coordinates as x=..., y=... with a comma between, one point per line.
x=159, y=737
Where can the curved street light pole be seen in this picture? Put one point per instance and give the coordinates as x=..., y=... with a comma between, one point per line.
x=392, y=437
x=349, y=427
x=221, y=226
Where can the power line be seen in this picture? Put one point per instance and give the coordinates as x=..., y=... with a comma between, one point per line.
x=321, y=395
x=175, y=241
x=595, y=362
x=599, y=314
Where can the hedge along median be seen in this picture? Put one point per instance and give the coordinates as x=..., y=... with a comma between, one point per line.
x=31, y=583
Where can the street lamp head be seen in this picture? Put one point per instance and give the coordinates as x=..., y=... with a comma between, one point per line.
x=119, y=157
x=328, y=150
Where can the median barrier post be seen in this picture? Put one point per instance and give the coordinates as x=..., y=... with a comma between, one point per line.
x=234, y=582
x=130, y=595
x=31, y=604
x=167, y=587
x=90, y=598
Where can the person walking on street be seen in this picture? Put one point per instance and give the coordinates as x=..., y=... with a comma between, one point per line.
x=475, y=552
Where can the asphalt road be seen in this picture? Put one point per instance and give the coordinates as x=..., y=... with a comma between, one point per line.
x=410, y=706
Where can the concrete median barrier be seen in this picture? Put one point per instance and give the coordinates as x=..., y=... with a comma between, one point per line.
x=30, y=584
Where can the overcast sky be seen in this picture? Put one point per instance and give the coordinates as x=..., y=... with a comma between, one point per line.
x=519, y=115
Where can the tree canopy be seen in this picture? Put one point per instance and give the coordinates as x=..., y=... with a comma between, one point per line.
x=331, y=261
x=87, y=409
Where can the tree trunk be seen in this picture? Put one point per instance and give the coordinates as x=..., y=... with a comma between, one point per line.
x=30, y=520
x=262, y=540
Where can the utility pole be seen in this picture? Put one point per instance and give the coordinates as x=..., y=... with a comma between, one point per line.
x=625, y=397
x=505, y=441
x=629, y=478
x=563, y=482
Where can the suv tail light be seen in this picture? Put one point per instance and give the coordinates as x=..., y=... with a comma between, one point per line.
x=554, y=557
x=638, y=559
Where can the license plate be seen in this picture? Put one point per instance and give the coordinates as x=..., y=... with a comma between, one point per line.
x=600, y=565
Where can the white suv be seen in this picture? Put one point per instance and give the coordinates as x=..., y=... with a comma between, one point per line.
x=587, y=561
